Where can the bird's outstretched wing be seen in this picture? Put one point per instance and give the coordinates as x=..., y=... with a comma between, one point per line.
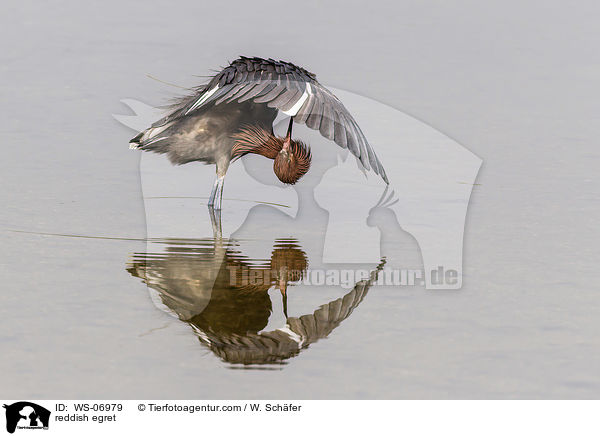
x=290, y=89
x=276, y=346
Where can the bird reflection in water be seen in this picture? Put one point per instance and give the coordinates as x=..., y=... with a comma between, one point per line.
x=223, y=295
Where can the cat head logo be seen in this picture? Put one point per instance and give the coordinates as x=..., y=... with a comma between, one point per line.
x=26, y=415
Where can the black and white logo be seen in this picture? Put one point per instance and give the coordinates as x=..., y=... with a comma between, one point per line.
x=26, y=415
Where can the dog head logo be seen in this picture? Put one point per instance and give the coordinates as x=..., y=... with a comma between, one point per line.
x=26, y=415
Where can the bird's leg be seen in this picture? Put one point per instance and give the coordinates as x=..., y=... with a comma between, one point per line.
x=211, y=199
x=216, y=195
x=219, y=193
x=215, y=220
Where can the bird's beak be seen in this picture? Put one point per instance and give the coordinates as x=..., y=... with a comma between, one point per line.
x=287, y=141
x=283, y=289
x=289, y=131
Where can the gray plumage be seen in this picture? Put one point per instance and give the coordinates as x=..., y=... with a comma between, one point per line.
x=193, y=280
x=274, y=85
x=203, y=135
x=250, y=91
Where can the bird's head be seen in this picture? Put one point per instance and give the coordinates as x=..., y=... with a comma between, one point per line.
x=292, y=162
x=291, y=158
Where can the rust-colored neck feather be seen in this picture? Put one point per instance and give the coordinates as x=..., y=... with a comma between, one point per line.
x=253, y=139
x=292, y=158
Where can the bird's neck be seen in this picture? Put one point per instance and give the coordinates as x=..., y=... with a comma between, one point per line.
x=256, y=140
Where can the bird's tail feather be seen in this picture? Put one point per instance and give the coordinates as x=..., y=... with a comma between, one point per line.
x=150, y=139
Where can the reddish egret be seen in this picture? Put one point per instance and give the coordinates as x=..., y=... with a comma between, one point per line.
x=212, y=291
x=233, y=115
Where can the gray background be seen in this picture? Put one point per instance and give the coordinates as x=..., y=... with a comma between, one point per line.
x=517, y=83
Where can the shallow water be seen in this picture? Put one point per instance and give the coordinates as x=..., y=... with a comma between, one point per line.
x=85, y=225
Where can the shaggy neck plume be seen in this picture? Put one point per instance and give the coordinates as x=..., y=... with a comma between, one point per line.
x=291, y=158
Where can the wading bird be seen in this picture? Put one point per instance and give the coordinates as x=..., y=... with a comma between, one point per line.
x=216, y=292
x=233, y=115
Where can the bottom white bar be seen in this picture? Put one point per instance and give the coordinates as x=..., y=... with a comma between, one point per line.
x=299, y=417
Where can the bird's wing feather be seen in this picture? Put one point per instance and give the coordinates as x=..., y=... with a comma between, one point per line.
x=290, y=89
